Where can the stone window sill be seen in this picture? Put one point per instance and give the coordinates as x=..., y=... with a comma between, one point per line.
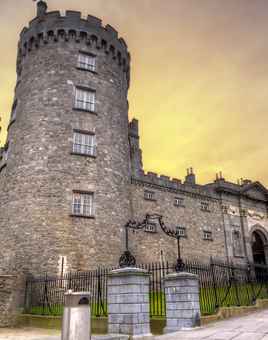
x=179, y=205
x=83, y=155
x=85, y=69
x=208, y=239
x=83, y=110
x=150, y=199
x=82, y=216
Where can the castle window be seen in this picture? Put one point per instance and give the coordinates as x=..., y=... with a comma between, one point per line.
x=204, y=206
x=178, y=202
x=85, y=99
x=181, y=231
x=207, y=235
x=84, y=143
x=83, y=204
x=150, y=227
x=87, y=61
x=149, y=195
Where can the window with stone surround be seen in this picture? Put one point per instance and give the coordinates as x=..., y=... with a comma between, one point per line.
x=149, y=195
x=207, y=235
x=204, y=206
x=83, y=204
x=85, y=99
x=86, y=61
x=178, y=202
x=181, y=231
x=150, y=227
x=84, y=143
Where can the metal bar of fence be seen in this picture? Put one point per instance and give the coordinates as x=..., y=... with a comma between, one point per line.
x=221, y=284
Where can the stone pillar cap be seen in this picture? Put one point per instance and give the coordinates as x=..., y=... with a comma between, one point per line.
x=181, y=275
x=128, y=271
x=70, y=292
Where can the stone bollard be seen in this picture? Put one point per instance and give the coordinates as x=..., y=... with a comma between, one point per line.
x=182, y=301
x=76, y=316
x=128, y=302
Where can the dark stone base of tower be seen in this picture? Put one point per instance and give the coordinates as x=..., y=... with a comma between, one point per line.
x=71, y=171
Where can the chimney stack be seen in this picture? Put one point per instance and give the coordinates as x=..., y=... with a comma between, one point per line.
x=190, y=177
x=41, y=8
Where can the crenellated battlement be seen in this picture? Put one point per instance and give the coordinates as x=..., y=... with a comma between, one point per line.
x=52, y=27
x=172, y=184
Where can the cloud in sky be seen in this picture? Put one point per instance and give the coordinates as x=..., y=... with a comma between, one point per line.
x=199, y=80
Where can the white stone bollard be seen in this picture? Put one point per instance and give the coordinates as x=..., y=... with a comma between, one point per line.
x=182, y=301
x=128, y=302
x=76, y=324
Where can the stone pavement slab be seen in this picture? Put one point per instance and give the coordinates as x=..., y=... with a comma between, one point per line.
x=41, y=334
x=251, y=327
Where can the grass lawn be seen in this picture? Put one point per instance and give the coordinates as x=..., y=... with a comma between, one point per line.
x=210, y=298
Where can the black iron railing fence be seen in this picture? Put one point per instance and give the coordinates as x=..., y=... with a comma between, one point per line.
x=221, y=284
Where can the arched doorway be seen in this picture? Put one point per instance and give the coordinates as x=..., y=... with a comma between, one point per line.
x=258, y=247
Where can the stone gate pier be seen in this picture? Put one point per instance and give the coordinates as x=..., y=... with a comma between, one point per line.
x=128, y=302
x=182, y=301
x=12, y=290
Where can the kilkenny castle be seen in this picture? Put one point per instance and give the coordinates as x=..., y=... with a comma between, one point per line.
x=71, y=173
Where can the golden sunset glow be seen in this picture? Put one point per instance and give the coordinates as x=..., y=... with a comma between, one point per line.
x=199, y=79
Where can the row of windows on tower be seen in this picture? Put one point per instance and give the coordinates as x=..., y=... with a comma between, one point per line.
x=84, y=143
x=178, y=201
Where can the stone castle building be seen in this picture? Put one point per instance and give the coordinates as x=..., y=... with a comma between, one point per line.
x=71, y=170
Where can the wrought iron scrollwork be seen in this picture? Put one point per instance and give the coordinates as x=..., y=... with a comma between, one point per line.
x=127, y=259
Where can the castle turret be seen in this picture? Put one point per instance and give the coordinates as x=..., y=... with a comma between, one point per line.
x=135, y=151
x=63, y=184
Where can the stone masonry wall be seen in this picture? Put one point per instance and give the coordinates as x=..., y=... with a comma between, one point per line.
x=41, y=173
x=149, y=246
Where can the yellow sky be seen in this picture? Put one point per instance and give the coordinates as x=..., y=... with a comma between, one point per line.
x=199, y=80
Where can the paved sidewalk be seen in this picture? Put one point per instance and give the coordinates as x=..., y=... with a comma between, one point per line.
x=251, y=327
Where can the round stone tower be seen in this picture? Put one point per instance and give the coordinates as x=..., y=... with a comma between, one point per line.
x=65, y=170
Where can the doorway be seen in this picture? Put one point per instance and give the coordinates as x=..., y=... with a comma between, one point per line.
x=258, y=250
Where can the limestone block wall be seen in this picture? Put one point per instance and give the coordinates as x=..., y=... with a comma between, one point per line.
x=41, y=172
x=156, y=246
